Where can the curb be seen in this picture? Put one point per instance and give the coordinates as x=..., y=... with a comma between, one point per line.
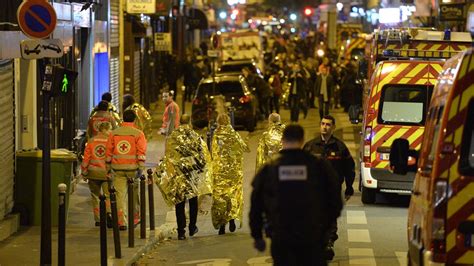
x=161, y=233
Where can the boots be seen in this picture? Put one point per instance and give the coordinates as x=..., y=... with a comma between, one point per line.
x=232, y=225
x=222, y=230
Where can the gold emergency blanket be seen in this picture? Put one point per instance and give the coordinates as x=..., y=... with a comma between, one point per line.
x=269, y=144
x=227, y=169
x=143, y=121
x=183, y=172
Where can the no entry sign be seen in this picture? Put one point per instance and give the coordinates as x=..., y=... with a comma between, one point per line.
x=36, y=18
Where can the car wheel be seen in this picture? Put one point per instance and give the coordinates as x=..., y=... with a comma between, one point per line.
x=251, y=125
x=368, y=195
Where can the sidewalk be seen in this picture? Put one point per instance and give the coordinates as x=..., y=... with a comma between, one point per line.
x=82, y=237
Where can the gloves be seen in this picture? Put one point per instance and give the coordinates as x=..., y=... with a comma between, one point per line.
x=259, y=244
x=162, y=131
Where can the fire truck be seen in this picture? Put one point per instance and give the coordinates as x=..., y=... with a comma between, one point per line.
x=440, y=225
x=350, y=42
x=404, y=67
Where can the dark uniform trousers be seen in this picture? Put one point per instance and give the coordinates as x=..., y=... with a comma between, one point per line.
x=297, y=255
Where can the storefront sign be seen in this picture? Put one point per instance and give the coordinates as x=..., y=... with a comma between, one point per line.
x=141, y=6
x=163, y=42
x=451, y=12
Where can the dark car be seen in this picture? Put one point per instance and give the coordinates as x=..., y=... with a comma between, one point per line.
x=234, y=67
x=235, y=91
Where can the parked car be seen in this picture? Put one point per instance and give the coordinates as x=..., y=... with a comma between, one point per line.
x=234, y=67
x=236, y=93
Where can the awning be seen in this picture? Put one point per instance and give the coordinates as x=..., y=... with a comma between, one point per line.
x=196, y=19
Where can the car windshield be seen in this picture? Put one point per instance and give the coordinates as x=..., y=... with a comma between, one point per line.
x=236, y=67
x=226, y=88
x=404, y=104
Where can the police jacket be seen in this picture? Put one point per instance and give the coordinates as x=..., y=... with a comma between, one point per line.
x=294, y=196
x=126, y=148
x=336, y=152
x=93, y=164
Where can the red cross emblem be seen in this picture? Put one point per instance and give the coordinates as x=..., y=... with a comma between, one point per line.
x=123, y=147
x=99, y=151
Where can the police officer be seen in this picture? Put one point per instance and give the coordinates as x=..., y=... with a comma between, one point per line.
x=125, y=157
x=331, y=148
x=295, y=197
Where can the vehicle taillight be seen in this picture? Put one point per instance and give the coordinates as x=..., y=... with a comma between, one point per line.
x=438, y=227
x=367, y=143
x=245, y=99
x=196, y=101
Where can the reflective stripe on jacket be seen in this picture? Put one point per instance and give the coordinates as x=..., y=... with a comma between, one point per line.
x=126, y=148
x=93, y=165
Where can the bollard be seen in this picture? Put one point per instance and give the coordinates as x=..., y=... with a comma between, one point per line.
x=131, y=222
x=151, y=202
x=113, y=206
x=103, y=231
x=62, y=225
x=142, y=207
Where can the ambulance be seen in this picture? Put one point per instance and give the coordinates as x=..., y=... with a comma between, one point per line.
x=441, y=214
x=399, y=93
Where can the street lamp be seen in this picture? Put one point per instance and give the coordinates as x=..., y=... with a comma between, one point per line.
x=223, y=15
x=293, y=16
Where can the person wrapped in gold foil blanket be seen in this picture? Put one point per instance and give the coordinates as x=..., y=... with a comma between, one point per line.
x=183, y=173
x=270, y=141
x=227, y=170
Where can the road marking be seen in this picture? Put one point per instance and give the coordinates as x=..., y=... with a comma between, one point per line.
x=361, y=256
x=208, y=262
x=402, y=257
x=260, y=261
x=356, y=217
x=358, y=235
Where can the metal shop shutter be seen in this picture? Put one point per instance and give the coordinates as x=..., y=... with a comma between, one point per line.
x=114, y=81
x=136, y=75
x=7, y=137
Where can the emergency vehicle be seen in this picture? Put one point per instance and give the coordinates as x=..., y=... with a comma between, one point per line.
x=399, y=93
x=351, y=41
x=441, y=214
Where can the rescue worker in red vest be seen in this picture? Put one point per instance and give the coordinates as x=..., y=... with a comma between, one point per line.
x=143, y=120
x=94, y=170
x=170, y=116
x=100, y=115
x=111, y=108
x=126, y=155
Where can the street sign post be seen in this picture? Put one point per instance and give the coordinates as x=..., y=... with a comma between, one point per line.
x=163, y=42
x=35, y=49
x=36, y=18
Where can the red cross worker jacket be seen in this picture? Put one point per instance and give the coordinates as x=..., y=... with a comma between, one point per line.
x=93, y=165
x=98, y=118
x=126, y=148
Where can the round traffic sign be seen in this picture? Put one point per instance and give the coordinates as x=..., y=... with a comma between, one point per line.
x=36, y=18
x=215, y=41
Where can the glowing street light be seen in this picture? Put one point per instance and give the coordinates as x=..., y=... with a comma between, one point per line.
x=293, y=16
x=223, y=15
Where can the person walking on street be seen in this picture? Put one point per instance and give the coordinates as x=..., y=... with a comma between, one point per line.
x=263, y=90
x=184, y=174
x=336, y=152
x=125, y=160
x=100, y=115
x=143, y=118
x=294, y=198
x=297, y=92
x=270, y=142
x=170, y=115
x=94, y=171
x=107, y=96
x=275, y=84
x=227, y=169
x=324, y=89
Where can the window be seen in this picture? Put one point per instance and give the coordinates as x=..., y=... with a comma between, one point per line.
x=466, y=162
x=236, y=67
x=404, y=104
